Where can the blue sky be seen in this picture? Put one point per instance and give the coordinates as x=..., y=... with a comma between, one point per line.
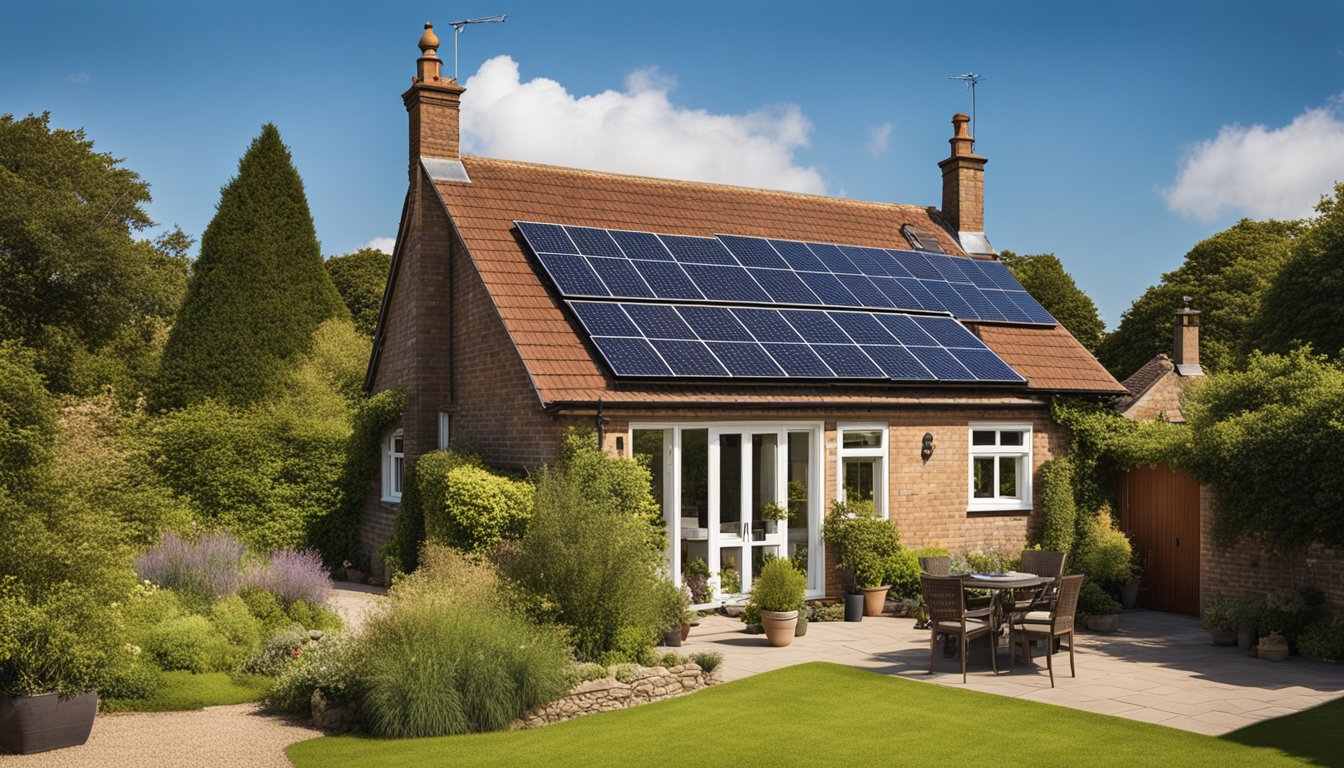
x=1118, y=136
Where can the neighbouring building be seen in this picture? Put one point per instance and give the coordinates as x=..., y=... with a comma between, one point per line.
x=759, y=347
x=1169, y=515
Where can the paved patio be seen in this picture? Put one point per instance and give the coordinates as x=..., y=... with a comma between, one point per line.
x=1159, y=668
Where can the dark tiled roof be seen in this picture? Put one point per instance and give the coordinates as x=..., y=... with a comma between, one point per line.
x=1143, y=379
x=565, y=370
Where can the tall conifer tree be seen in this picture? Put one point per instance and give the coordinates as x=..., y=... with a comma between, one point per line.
x=257, y=292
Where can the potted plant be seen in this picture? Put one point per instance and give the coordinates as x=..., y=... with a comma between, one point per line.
x=695, y=575
x=1129, y=589
x=1222, y=616
x=1101, y=610
x=773, y=514
x=676, y=605
x=1273, y=646
x=779, y=595
x=867, y=549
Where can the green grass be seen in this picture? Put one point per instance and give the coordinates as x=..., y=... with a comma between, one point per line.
x=1314, y=734
x=184, y=690
x=808, y=715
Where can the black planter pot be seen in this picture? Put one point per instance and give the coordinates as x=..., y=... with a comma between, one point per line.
x=672, y=638
x=31, y=724
x=854, y=607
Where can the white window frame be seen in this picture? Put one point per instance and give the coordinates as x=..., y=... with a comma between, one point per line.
x=445, y=430
x=1024, y=466
x=881, y=453
x=394, y=465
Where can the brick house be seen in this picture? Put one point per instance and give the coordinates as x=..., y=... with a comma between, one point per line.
x=1169, y=515
x=694, y=324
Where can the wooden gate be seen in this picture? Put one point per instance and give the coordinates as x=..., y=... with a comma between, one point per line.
x=1159, y=509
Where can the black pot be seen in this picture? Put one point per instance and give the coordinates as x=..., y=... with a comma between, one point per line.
x=672, y=638
x=854, y=607
x=39, y=723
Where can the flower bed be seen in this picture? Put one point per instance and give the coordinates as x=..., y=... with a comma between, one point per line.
x=646, y=684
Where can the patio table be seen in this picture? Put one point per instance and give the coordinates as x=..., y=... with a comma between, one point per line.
x=995, y=583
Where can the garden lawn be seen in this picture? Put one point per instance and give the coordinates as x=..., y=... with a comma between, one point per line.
x=808, y=715
x=1314, y=733
x=184, y=690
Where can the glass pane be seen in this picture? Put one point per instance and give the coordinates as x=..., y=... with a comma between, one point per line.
x=396, y=444
x=1008, y=476
x=800, y=457
x=730, y=575
x=983, y=480
x=396, y=474
x=859, y=479
x=982, y=437
x=862, y=438
x=648, y=450
x=763, y=476
x=1010, y=438
x=730, y=483
x=695, y=476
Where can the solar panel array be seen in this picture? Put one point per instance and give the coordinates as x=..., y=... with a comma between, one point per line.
x=700, y=341
x=587, y=262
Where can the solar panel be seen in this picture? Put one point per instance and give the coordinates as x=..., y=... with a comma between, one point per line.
x=737, y=269
x=698, y=341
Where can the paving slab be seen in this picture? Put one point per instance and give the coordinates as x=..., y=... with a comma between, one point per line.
x=1158, y=668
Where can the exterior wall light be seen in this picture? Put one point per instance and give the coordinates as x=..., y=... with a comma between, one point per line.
x=927, y=450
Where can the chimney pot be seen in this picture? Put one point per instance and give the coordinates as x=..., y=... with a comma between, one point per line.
x=1185, y=351
x=433, y=107
x=429, y=42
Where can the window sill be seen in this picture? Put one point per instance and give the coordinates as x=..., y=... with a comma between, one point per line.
x=391, y=499
x=999, y=512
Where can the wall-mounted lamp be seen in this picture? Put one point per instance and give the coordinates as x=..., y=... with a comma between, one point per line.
x=927, y=451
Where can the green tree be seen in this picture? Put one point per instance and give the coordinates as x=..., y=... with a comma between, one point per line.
x=1044, y=278
x=257, y=292
x=78, y=288
x=360, y=278
x=27, y=416
x=1254, y=431
x=1227, y=276
x=1303, y=302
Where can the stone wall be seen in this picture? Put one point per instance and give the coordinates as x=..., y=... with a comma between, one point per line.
x=608, y=694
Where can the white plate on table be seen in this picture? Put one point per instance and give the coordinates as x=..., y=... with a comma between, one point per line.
x=1002, y=576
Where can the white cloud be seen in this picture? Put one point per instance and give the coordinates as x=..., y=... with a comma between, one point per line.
x=1262, y=172
x=635, y=130
x=384, y=244
x=78, y=78
x=878, y=137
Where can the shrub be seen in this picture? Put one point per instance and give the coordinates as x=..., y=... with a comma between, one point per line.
x=586, y=671
x=780, y=587
x=266, y=607
x=1057, y=505
x=904, y=575
x=448, y=656
x=866, y=547
x=328, y=665
x=189, y=643
x=472, y=508
x=1223, y=612
x=68, y=642
x=592, y=556
x=977, y=561
x=1104, y=554
x=27, y=415
x=1094, y=601
x=1289, y=611
x=236, y=624
x=1324, y=639
x=625, y=673
x=313, y=616
x=209, y=567
x=708, y=661
x=819, y=612
x=293, y=576
x=408, y=527
x=359, y=278
x=277, y=651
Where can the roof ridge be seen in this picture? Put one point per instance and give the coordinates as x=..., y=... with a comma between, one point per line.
x=696, y=184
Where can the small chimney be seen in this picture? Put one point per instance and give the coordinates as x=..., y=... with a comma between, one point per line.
x=1186, y=348
x=433, y=104
x=964, y=189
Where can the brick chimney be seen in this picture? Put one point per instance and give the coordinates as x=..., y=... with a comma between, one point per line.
x=964, y=189
x=433, y=103
x=1185, y=350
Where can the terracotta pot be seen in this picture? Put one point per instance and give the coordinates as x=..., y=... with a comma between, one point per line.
x=1108, y=623
x=779, y=626
x=1223, y=636
x=39, y=723
x=874, y=600
x=1274, y=648
x=685, y=631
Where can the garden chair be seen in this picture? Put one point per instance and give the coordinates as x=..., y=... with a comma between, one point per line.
x=1049, y=625
x=936, y=566
x=1039, y=563
x=947, y=605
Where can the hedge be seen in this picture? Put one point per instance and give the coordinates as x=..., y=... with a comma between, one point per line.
x=472, y=509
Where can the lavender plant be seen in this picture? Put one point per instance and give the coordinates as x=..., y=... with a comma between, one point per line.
x=293, y=575
x=209, y=567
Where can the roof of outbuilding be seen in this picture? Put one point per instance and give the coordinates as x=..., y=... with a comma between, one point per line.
x=562, y=366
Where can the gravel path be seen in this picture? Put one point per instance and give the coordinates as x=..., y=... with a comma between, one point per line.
x=223, y=737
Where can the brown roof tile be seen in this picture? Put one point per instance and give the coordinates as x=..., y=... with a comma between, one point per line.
x=555, y=353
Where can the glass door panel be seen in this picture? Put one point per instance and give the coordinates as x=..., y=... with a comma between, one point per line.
x=769, y=515
x=799, y=494
x=693, y=483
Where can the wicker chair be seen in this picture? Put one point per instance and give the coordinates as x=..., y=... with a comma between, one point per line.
x=936, y=566
x=1039, y=563
x=1049, y=625
x=947, y=604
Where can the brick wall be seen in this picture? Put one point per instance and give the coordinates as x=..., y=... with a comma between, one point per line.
x=1164, y=398
x=1248, y=569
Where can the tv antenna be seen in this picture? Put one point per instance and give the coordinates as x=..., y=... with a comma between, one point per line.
x=460, y=26
x=971, y=79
